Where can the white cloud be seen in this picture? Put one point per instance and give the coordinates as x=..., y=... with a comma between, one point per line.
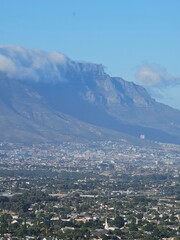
x=7, y=65
x=26, y=64
x=153, y=75
x=57, y=57
x=159, y=83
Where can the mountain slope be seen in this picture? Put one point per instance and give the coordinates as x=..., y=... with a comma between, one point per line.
x=24, y=116
x=46, y=96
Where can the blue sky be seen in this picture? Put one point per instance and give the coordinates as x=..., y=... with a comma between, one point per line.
x=138, y=40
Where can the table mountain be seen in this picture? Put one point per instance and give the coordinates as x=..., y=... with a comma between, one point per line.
x=49, y=97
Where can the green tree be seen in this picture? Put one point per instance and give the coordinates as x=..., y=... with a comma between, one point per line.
x=119, y=221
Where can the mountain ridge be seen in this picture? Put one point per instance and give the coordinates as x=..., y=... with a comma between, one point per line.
x=58, y=98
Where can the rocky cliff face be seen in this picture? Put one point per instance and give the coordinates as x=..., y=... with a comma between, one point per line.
x=48, y=96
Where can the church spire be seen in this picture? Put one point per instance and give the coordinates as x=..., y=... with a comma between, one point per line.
x=106, y=224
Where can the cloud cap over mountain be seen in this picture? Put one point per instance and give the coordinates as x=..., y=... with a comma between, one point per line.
x=21, y=63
